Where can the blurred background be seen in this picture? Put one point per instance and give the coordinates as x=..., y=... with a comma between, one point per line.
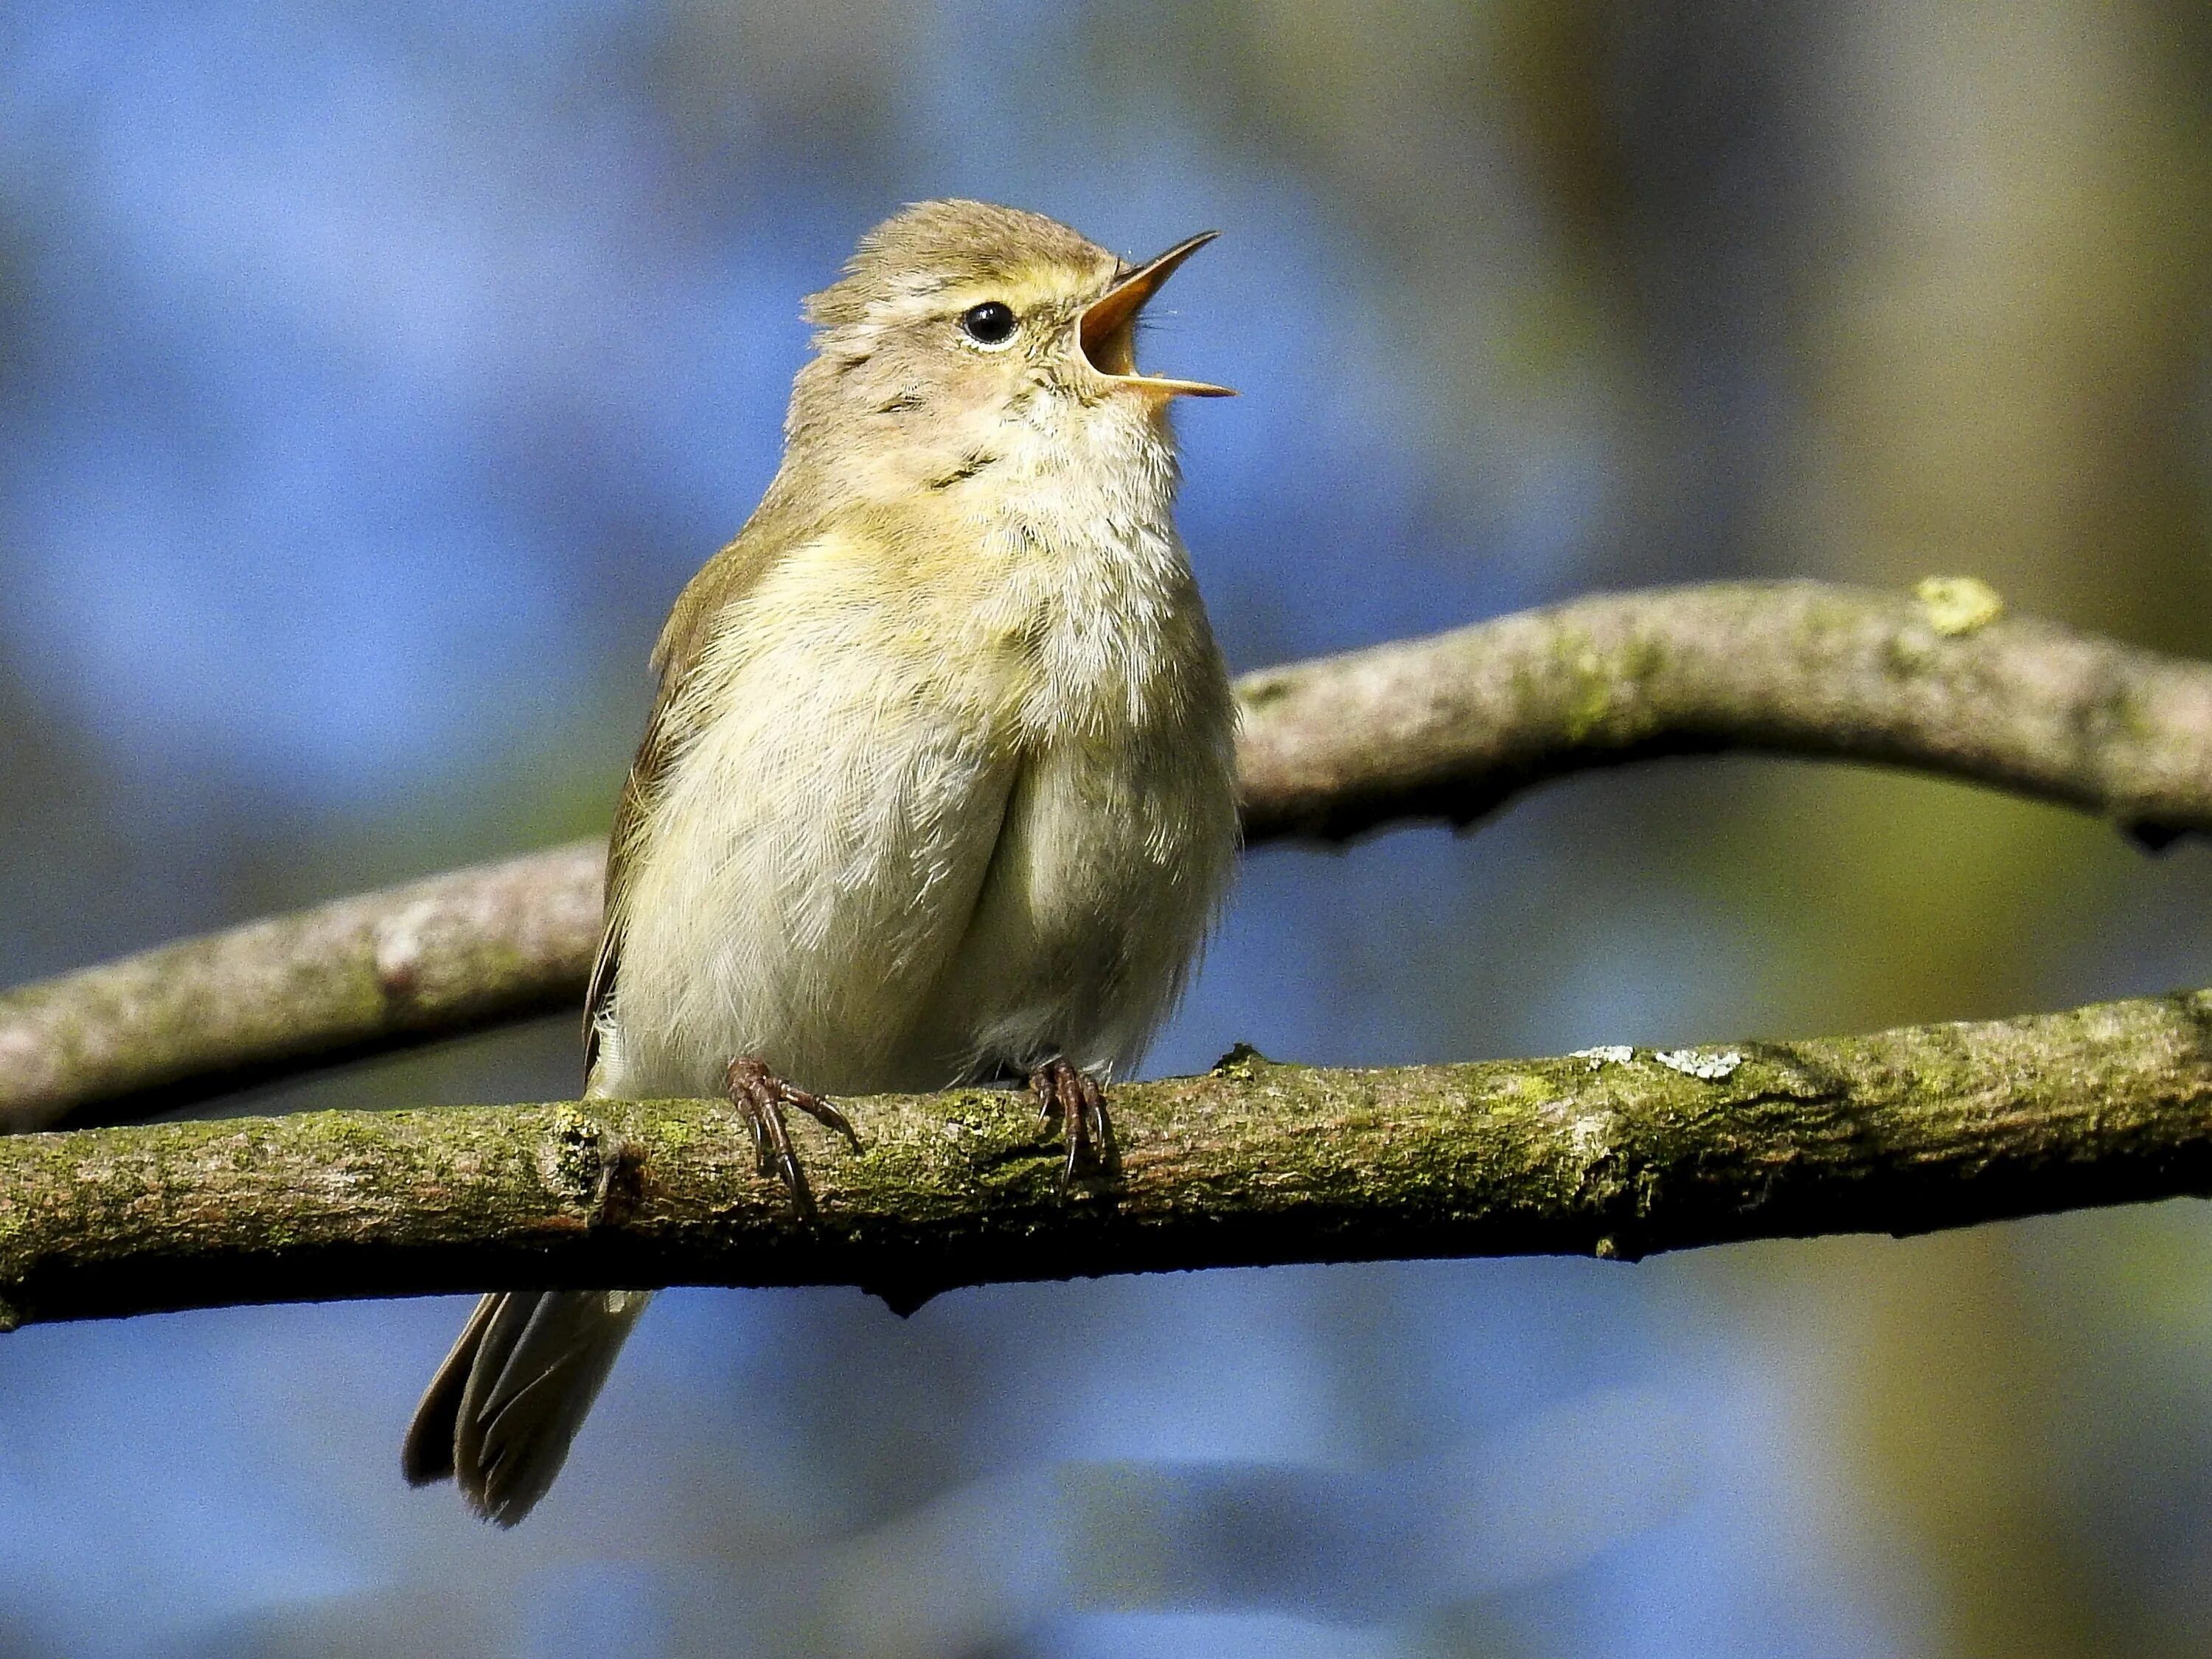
x=373, y=375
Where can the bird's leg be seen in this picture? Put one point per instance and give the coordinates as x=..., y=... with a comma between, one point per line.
x=760, y=1096
x=1073, y=1099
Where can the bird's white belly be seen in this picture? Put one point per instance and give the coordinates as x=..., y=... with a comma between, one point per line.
x=911, y=917
x=1099, y=893
x=874, y=872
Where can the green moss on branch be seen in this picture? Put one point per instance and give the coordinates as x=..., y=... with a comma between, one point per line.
x=1254, y=1163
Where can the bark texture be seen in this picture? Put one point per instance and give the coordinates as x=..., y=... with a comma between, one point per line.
x=1611, y=1153
x=1453, y=726
x=205, y=1016
x=1447, y=727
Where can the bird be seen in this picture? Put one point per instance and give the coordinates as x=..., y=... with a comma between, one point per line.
x=938, y=785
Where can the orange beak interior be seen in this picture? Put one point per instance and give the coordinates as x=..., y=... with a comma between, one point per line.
x=1107, y=329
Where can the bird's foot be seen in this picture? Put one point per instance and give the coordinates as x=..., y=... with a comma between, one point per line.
x=760, y=1096
x=1073, y=1099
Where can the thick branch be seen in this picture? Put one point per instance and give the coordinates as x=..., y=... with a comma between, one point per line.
x=1444, y=727
x=1932, y=1127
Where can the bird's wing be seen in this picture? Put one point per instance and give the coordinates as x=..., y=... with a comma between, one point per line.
x=707, y=598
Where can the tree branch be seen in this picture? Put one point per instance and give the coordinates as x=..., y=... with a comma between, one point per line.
x=1454, y=726
x=1602, y=1153
x=382, y=970
x=1447, y=727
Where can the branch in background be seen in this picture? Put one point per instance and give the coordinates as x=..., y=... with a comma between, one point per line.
x=1448, y=727
x=383, y=970
x=1606, y=1153
x=1454, y=726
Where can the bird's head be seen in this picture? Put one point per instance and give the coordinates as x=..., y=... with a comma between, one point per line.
x=962, y=332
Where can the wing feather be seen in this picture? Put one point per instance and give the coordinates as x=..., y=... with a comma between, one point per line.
x=699, y=612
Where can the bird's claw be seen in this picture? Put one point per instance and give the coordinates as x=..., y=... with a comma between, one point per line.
x=760, y=1096
x=1074, y=1100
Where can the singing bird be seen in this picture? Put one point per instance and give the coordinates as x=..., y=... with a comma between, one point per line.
x=938, y=786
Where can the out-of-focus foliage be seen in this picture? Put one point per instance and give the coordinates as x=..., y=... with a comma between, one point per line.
x=372, y=375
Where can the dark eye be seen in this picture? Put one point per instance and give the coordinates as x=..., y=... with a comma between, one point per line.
x=989, y=324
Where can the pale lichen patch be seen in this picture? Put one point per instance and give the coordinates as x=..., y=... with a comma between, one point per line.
x=1706, y=1065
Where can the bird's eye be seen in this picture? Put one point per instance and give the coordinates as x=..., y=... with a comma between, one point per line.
x=989, y=324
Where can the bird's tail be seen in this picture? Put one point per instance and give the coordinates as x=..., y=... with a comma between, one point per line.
x=500, y=1413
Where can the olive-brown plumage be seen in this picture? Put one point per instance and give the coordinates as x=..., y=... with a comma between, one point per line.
x=937, y=786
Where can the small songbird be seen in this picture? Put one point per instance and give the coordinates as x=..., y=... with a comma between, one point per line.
x=938, y=786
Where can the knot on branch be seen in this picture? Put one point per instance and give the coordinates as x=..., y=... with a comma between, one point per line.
x=590, y=1168
x=398, y=951
x=1613, y=1178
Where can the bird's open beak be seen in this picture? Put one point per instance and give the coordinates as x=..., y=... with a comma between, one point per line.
x=1107, y=329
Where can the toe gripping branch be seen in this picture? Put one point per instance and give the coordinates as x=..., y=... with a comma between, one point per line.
x=1073, y=1099
x=760, y=1096
x=1066, y=1096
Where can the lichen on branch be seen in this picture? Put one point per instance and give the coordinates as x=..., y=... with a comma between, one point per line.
x=1253, y=1163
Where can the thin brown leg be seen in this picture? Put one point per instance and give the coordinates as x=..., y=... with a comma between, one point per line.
x=760, y=1096
x=1073, y=1099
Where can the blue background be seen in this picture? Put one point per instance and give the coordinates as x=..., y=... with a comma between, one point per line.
x=371, y=378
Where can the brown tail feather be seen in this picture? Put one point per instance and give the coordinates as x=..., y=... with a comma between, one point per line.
x=500, y=1414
